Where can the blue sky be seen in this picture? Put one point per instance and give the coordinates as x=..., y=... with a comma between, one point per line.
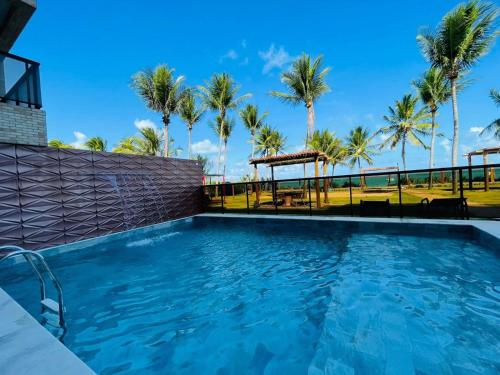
x=89, y=50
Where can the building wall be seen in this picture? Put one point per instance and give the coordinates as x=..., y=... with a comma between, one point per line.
x=22, y=125
x=51, y=196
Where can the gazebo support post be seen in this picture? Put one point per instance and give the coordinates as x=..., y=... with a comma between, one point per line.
x=325, y=181
x=486, y=176
x=469, y=159
x=257, y=187
x=318, y=192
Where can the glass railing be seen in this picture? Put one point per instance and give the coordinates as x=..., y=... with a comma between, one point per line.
x=19, y=81
x=416, y=193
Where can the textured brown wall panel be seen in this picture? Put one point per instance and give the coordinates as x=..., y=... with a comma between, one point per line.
x=54, y=196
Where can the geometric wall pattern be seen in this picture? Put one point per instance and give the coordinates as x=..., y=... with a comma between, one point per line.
x=51, y=196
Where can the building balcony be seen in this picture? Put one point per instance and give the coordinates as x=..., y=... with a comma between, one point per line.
x=19, y=81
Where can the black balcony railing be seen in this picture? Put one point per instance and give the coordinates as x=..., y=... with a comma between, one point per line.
x=19, y=81
x=412, y=193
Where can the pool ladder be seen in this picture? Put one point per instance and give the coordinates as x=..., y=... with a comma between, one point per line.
x=50, y=308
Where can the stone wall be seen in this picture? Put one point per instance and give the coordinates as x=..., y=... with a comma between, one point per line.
x=51, y=196
x=22, y=125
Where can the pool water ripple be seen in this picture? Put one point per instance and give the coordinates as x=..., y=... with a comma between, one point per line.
x=215, y=299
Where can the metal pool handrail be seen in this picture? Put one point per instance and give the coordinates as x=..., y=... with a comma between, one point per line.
x=28, y=256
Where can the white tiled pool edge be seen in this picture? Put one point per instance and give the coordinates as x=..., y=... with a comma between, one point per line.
x=28, y=348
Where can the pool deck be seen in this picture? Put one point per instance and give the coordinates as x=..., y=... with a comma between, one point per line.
x=26, y=347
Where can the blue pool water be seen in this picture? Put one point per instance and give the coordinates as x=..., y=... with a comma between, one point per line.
x=222, y=297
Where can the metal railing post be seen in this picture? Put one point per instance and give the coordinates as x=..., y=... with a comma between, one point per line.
x=461, y=181
x=350, y=195
x=400, y=197
x=470, y=178
x=275, y=198
x=246, y=193
x=310, y=203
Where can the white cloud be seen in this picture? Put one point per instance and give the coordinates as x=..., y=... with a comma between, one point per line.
x=204, y=147
x=476, y=129
x=384, y=137
x=80, y=139
x=244, y=43
x=144, y=123
x=446, y=144
x=274, y=58
x=245, y=61
x=369, y=117
x=231, y=55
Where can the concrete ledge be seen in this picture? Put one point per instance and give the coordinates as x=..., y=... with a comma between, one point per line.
x=28, y=348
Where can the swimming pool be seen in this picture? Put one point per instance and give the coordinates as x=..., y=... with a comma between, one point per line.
x=235, y=296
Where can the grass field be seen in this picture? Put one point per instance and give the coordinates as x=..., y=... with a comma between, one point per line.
x=411, y=195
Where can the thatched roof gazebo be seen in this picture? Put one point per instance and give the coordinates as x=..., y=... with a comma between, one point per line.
x=302, y=157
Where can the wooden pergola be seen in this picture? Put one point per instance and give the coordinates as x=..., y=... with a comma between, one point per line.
x=484, y=152
x=303, y=157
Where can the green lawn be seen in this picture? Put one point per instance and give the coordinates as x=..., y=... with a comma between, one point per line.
x=340, y=197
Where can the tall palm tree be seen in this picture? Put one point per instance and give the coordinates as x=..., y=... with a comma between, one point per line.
x=57, y=143
x=494, y=127
x=252, y=121
x=96, y=144
x=433, y=90
x=162, y=93
x=220, y=94
x=191, y=113
x=358, y=147
x=224, y=129
x=464, y=35
x=305, y=83
x=405, y=124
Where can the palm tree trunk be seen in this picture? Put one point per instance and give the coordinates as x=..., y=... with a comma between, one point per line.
x=454, y=149
x=225, y=160
x=189, y=142
x=253, y=144
x=166, y=121
x=433, y=138
x=403, y=156
x=310, y=129
x=333, y=169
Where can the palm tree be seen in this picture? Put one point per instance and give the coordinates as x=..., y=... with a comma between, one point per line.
x=463, y=36
x=224, y=129
x=434, y=90
x=250, y=117
x=359, y=148
x=263, y=141
x=191, y=113
x=205, y=163
x=58, y=144
x=325, y=142
x=277, y=142
x=494, y=127
x=127, y=145
x=305, y=83
x=148, y=142
x=220, y=94
x=96, y=144
x=162, y=93
x=405, y=124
